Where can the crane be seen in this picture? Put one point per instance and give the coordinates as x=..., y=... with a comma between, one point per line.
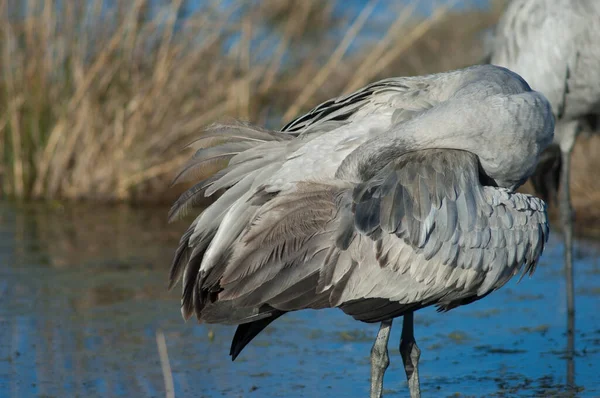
x=555, y=46
x=396, y=197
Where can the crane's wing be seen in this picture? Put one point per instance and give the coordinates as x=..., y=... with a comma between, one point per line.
x=436, y=236
x=423, y=231
x=407, y=96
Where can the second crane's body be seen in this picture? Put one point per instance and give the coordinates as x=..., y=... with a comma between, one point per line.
x=555, y=46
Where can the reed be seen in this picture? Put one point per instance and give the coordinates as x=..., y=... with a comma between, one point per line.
x=98, y=98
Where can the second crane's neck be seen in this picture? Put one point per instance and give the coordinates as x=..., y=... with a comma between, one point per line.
x=506, y=132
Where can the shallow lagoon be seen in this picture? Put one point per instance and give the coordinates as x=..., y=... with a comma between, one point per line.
x=83, y=296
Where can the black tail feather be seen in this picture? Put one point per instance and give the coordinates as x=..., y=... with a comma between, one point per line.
x=246, y=332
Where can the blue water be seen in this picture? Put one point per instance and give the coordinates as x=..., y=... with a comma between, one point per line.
x=83, y=296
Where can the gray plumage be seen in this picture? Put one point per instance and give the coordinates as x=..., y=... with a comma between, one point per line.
x=390, y=199
x=555, y=46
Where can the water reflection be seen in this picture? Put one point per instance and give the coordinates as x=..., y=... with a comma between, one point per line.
x=570, y=355
x=72, y=285
x=81, y=235
x=83, y=294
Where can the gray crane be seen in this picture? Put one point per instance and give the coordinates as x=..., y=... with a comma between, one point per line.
x=555, y=46
x=393, y=198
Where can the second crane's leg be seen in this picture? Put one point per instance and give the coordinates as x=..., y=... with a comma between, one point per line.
x=410, y=355
x=379, y=358
x=566, y=213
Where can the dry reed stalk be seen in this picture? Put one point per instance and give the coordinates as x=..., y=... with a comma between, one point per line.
x=165, y=364
x=292, y=24
x=409, y=40
x=244, y=60
x=333, y=61
x=162, y=65
x=362, y=74
x=14, y=105
x=82, y=87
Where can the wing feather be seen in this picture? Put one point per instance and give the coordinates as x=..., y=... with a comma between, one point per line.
x=472, y=230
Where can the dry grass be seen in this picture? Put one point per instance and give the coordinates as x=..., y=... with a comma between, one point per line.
x=97, y=102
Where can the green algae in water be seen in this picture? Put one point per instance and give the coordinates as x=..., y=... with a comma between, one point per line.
x=588, y=291
x=488, y=313
x=498, y=350
x=458, y=336
x=354, y=335
x=543, y=329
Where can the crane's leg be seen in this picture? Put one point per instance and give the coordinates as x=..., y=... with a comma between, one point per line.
x=379, y=358
x=567, y=134
x=410, y=355
x=566, y=212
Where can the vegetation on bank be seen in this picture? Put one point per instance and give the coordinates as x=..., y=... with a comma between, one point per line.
x=98, y=98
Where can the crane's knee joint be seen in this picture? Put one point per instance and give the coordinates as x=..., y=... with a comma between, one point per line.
x=415, y=352
x=378, y=351
x=380, y=358
x=410, y=353
x=407, y=346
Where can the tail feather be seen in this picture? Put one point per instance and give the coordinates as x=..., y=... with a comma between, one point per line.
x=235, y=131
x=186, y=201
x=190, y=275
x=235, y=173
x=246, y=332
x=222, y=159
x=179, y=259
x=205, y=155
x=248, y=154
